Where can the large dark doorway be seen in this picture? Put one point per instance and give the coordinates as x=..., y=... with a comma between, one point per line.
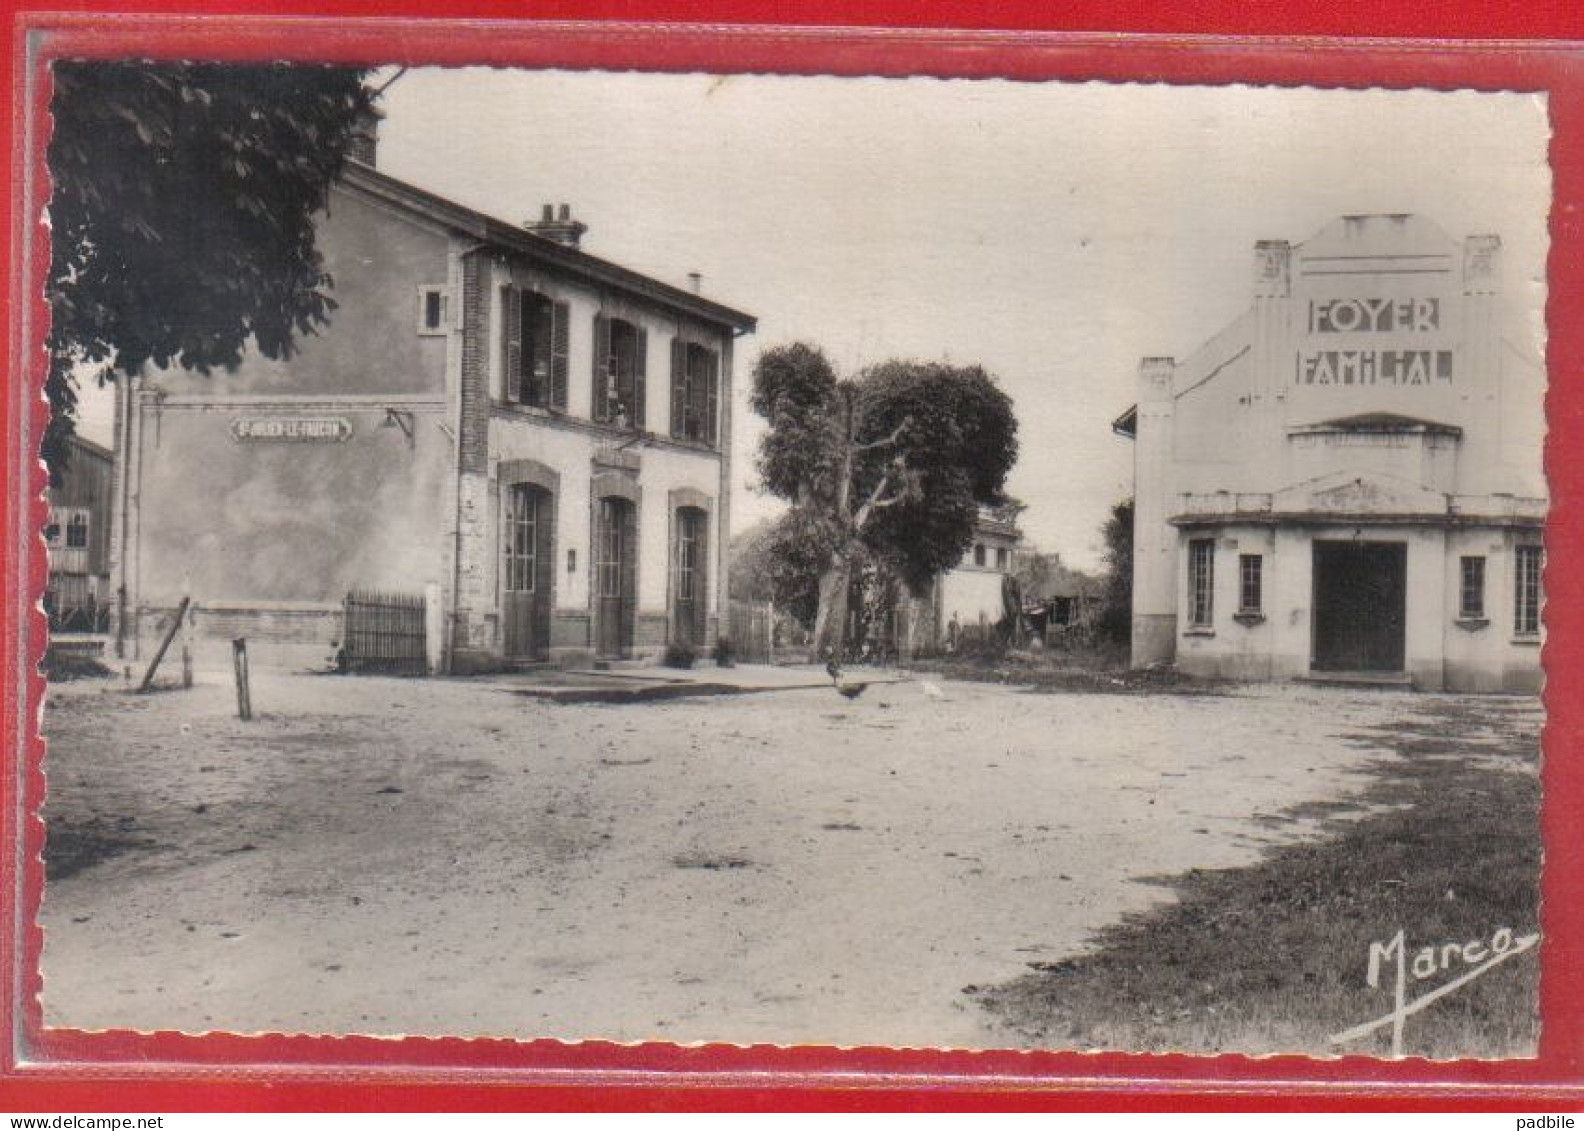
x=526, y=571
x=1360, y=606
x=615, y=577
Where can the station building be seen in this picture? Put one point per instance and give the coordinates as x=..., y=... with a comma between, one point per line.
x=1346, y=483
x=535, y=439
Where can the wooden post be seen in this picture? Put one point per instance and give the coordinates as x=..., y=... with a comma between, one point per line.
x=187, y=632
x=170, y=634
x=239, y=663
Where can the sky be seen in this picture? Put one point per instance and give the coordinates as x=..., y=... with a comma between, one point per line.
x=1053, y=233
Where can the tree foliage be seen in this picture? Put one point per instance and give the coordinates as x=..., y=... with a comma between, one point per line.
x=780, y=561
x=1116, y=606
x=182, y=215
x=888, y=468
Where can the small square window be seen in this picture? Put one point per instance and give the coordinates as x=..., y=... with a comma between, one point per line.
x=432, y=310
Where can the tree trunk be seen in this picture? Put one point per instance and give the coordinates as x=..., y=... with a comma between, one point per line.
x=830, y=622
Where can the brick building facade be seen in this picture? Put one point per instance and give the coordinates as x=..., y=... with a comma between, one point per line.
x=536, y=438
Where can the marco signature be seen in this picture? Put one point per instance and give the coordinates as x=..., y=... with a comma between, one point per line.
x=1474, y=959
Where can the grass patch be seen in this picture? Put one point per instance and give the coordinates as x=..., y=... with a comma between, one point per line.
x=1445, y=846
x=1054, y=673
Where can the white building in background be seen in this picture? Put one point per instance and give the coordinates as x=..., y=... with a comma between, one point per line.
x=1347, y=482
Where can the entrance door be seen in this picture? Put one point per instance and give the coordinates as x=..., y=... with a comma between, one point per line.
x=615, y=577
x=692, y=531
x=1360, y=606
x=526, y=573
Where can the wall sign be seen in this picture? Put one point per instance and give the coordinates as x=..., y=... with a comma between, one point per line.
x=291, y=429
x=1374, y=315
x=1374, y=367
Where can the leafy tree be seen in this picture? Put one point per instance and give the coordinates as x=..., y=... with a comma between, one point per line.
x=1116, y=603
x=892, y=465
x=780, y=561
x=181, y=220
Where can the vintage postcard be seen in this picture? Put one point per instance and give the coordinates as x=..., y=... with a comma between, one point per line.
x=944, y=563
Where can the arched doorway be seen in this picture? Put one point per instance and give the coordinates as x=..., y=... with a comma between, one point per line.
x=527, y=573
x=689, y=585
x=615, y=576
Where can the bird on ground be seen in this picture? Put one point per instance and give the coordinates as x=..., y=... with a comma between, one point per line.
x=843, y=688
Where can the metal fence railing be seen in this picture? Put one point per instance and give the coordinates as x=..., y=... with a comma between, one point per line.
x=383, y=632
x=750, y=626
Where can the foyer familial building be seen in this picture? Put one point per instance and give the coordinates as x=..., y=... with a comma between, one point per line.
x=1347, y=482
x=533, y=440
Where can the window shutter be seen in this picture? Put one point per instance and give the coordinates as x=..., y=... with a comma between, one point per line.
x=511, y=355
x=559, y=350
x=640, y=378
x=678, y=385
x=601, y=367
x=712, y=399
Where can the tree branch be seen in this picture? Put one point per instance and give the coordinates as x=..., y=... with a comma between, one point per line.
x=885, y=442
x=877, y=499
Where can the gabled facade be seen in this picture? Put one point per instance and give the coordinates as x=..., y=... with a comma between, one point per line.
x=535, y=439
x=1346, y=482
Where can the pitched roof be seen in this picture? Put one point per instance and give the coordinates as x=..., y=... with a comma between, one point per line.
x=512, y=238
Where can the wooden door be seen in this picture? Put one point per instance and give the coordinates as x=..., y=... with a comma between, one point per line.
x=688, y=585
x=615, y=577
x=1360, y=606
x=526, y=571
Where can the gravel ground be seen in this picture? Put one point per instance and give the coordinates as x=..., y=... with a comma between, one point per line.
x=431, y=857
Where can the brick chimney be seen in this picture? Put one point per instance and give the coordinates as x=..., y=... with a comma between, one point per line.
x=558, y=225
x=364, y=147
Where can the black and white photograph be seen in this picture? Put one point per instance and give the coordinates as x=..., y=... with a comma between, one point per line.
x=794, y=559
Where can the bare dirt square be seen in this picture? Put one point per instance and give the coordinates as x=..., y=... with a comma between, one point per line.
x=392, y=856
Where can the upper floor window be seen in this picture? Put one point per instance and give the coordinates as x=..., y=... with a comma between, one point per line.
x=695, y=391
x=67, y=528
x=1003, y=557
x=534, y=355
x=620, y=362
x=1201, y=583
x=979, y=554
x=1471, y=589
x=1526, y=592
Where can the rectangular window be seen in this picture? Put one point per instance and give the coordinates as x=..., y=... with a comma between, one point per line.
x=1471, y=589
x=1003, y=557
x=1526, y=593
x=695, y=391
x=432, y=310
x=67, y=529
x=620, y=361
x=535, y=354
x=1251, y=583
x=1201, y=582
x=979, y=554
